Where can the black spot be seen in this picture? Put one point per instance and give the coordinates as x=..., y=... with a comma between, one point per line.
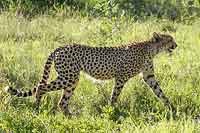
x=54, y=86
x=63, y=60
x=25, y=94
x=29, y=93
x=66, y=77
x=68, y=91
x=34, y=89
x=60, y=78
x=65, y=82
x=43, y=81
x=46, y=72
x=66, y=98
x=69, y=85
x=150, y=76
x=60, y=86
x=114, y=94
x=48, y=62
x=159, y=94
x=73, y=82
x=66, y=66
x=155, y=86
x=44, y=77
x=66, y=72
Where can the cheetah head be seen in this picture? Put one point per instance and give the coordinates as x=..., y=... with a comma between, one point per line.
x=166, y=42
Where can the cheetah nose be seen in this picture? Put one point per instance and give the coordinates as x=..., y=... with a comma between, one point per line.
x=174, y=46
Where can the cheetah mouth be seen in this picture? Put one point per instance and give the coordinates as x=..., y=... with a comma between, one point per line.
x=170, y=50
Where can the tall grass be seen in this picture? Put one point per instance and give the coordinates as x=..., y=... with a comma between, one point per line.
x=25, y=45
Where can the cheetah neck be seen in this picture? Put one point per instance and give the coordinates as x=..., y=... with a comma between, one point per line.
x=152, y=47
x=156, y=48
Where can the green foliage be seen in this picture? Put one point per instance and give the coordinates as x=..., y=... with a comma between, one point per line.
x=26, y=43
x=179, y=10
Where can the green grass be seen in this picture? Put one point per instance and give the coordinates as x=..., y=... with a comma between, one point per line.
x=25, y=45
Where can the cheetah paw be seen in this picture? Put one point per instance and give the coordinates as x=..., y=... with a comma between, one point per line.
x=6, y=89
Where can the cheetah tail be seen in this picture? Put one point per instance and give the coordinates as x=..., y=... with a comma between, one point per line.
x=43, y=81
x=19, y=93
x=47, y=68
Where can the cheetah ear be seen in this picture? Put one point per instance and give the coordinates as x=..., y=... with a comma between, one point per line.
x=156, y=36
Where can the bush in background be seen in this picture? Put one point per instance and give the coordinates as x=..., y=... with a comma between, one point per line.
x=171, y=9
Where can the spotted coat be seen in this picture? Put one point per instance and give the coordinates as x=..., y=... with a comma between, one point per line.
x=118, y=63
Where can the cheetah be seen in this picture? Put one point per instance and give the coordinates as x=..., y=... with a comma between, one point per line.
x=119, y=63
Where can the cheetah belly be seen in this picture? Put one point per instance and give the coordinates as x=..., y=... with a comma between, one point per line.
x=101, y=76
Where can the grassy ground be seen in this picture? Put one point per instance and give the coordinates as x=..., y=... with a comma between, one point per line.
x=25, y=45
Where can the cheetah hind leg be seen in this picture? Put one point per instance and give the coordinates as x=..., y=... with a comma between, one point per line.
x=67, y=93
x=64, y=102
x=57, y=84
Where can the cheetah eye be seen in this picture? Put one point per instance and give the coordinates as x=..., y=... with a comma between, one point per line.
x=170, y=39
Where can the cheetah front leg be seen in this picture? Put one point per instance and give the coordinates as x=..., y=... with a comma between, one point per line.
x=119, y=84
x=150, y=80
